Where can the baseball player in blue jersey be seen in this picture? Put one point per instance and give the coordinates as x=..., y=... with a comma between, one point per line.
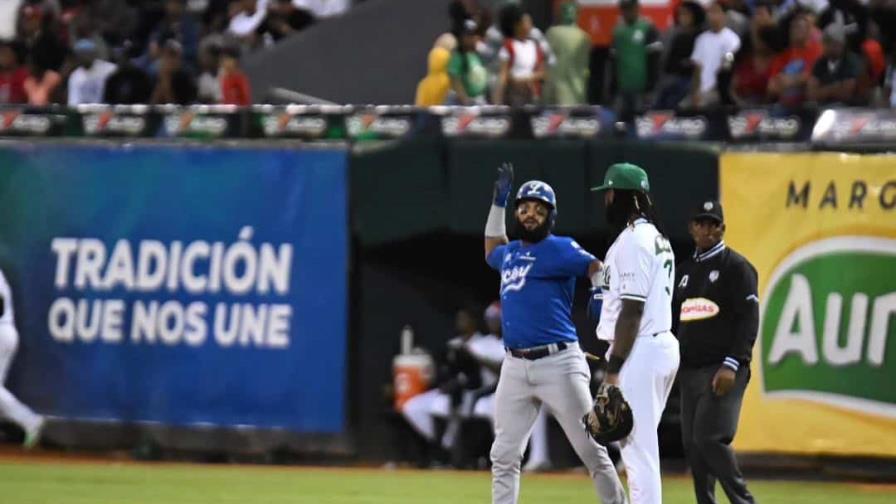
x=544, y=364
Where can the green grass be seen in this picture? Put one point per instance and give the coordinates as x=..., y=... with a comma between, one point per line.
x=114, y=483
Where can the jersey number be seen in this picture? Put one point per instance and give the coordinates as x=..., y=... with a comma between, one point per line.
x=668, y=266
x=662, y=247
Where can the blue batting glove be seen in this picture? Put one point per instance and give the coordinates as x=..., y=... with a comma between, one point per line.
x=595, y=304
x=503, y=185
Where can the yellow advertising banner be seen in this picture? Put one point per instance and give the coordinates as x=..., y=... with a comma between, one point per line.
x=820, y=228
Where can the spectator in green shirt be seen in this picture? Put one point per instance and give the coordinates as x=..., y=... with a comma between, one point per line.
x=636, y=49
x=565, y=84
x=469, y=78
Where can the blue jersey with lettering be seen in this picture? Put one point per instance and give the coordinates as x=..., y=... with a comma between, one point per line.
x=537, y=286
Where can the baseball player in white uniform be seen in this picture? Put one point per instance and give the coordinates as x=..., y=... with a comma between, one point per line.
x=636, y=318
x=10, y=407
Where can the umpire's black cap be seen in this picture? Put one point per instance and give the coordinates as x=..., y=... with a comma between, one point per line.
x=710, y=210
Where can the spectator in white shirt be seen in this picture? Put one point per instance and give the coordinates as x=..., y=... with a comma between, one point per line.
x=522, y=60
x=87, y=83
x=323, y=8
x=9, y=11
x=713, y=51
x=246, y=18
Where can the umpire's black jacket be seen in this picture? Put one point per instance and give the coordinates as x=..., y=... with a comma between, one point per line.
x=716, y=306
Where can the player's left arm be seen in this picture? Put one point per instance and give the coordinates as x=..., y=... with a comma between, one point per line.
x=744, y=299
x=495, y=230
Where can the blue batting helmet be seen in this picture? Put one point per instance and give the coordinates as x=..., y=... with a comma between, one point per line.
x=537, y=190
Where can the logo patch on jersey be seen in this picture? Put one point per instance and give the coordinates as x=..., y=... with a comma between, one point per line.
x=684, y=282
x=698, y=309
x=713, y=275
x=604, y=278
x=513, y=279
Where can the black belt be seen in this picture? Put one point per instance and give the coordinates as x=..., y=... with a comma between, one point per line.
x=538, y=352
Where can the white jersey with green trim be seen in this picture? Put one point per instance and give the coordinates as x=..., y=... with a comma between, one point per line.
x=640, y=266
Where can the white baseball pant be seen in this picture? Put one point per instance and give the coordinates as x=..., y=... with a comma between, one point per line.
x=646, y=379
x=10, y=407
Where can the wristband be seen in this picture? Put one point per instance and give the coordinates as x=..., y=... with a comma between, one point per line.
x=494, y=226
x=615, y=364
x=731, y=363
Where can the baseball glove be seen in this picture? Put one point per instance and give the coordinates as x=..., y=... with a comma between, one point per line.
x=610, y=417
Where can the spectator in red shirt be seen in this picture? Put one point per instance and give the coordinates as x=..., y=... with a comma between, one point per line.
x=753, y=68
x=12, y=75
x=791, y=69
x=874, y=65
x=234, y=84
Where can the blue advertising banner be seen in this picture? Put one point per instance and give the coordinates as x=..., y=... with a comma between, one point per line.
x=183, y=285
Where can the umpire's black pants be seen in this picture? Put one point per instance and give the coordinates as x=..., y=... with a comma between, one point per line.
x=708, y=424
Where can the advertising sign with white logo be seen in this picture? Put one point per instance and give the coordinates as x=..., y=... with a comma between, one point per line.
x=821, y=231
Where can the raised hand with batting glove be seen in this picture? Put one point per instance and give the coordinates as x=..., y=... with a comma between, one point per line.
x=495, y=228
x=503, y=185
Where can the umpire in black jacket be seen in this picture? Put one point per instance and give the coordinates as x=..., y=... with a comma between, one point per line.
x=718, y=308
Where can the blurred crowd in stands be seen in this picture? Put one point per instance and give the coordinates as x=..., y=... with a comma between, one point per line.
x=140, y=51
x=779, y=53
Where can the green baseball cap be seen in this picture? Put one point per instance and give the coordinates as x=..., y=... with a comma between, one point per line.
x=625, y=176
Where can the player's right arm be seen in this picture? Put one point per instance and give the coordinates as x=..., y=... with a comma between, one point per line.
x=632, y=267
x=495, y=227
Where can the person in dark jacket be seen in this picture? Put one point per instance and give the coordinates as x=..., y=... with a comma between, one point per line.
x=677, y=65
x=718, y=307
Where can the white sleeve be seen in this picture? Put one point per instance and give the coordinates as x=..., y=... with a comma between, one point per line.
x=488, y=348
x=633, y=268
x=697, y=53
x=110, y=69
x=733, y=43
x=503, y=55
x=74, y=87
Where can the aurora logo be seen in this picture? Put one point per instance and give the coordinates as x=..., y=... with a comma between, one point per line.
x=828, y=317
